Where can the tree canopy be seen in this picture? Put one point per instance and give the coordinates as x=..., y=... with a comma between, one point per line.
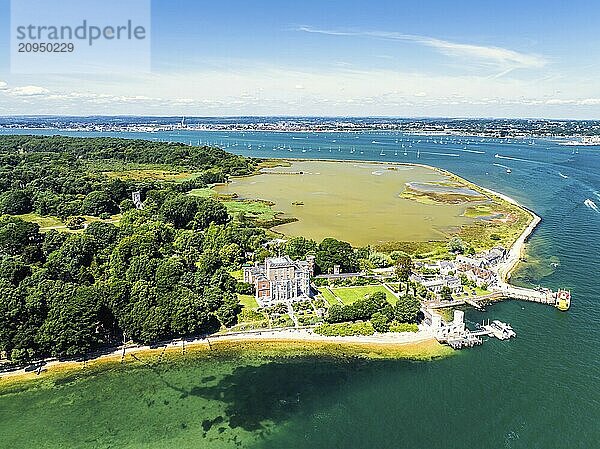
x=161, y=273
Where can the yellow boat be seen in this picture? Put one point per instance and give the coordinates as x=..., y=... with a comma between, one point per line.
x=563, y=300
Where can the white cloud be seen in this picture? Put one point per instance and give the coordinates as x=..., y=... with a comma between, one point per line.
x=3, y=85
x=498, y=56
x=260, y=89
x=576, y=102
x=28, y=91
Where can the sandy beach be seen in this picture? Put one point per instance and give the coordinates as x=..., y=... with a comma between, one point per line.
x=416, y=345
x=516, y=250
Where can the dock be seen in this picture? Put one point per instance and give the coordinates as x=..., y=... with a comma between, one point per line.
x=456, y=335
x=541, y=295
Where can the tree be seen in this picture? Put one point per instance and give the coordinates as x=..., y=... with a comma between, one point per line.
x=15, y=202
x=210, y=211
x=231, y=255
x=75, y=223
x=336, y=314
x=126, y=205
x=456, y=245
x=72, y=320
x=395, y=255
x=190, y=314
x=403, y=270
x=299, y=247
x=105, y=234
x=13, y=270
x=334, y=252
x=46, y=203
x=179, y=210
x=407, y=308
x=446, y=293
x=380, y=260
x=20, y=237
x=229, y=310
x=380, y=322
x=168, y=273
x=99, y=202
x=71, y=262
x=362, y=309
x=53, y=240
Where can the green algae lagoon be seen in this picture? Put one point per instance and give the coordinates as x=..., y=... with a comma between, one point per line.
x=539, y=390
x=363, y=203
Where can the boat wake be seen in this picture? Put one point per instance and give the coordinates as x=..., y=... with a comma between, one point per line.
x=589, y=203
x=471, y=151
x=503, y=166
x=510, y=158
x=562, y=176
x=440, y=154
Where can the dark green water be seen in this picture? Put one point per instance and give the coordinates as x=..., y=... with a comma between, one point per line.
x=540, y=390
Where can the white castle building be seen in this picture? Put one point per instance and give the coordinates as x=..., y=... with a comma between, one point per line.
x=280, y=280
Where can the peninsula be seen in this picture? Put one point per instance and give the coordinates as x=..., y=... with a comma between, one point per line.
x=167, y=245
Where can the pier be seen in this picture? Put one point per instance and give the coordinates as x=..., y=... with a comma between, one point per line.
x=541, y=296
x=456, y=335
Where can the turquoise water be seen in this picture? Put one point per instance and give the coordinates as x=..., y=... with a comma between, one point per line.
x=540, y=390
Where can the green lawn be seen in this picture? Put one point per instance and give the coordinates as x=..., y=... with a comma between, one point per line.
x=478, y=291
x=147, y=174
x=237, y=274
x=258, y=210
x=253, y=209
x=348, y=295
x=248, y=301
x=50, y=222
x=328, y=296
x=44, y=222
x=206, y=192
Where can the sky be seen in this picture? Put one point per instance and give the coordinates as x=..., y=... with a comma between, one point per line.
x=339, y=58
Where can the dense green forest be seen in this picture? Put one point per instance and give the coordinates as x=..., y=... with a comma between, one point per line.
x=63, y=176
x=162, y=272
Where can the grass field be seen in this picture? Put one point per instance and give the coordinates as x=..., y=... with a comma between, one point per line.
x=146, y=174
x=348, y=295
x=478, y=291
x=205, y=192
x=328, y=296
x=44, y=222
x=252, y=209
x=237, y=274
x=248, y=301
x=50, y=222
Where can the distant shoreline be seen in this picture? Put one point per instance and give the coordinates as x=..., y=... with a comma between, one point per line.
x=240, y=128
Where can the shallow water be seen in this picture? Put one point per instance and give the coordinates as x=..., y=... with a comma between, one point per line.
x=539, y=390
x=356, y=202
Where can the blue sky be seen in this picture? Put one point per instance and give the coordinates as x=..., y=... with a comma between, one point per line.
x=393, y=58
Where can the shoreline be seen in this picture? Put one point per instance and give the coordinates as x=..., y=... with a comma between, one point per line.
x=143, y=128
x=517, y=250
x=407, y=345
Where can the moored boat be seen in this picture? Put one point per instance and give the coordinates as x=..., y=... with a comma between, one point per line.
x=563, y=300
